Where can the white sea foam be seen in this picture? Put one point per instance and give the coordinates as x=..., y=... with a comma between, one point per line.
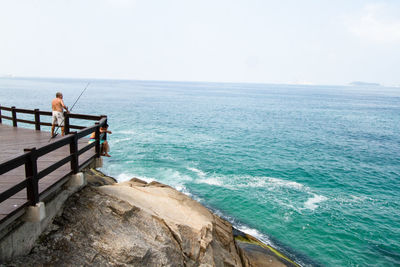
x=352, y=199
x=244, y=228
x=276, y=184
x=233, y=183
x=174, y=176
x=312, y=202
x=122, y=177
x=181, y=188
x=211, y=181
x=253, y=232
x=288, y=184
x=197, y=198
x=197, y=171
x=256, y=182
x=269, y=183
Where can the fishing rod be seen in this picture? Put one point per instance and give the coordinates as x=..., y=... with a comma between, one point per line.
x=76, y=101
x=79, y=96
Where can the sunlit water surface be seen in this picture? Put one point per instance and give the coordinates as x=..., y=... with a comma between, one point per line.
x=314, y=170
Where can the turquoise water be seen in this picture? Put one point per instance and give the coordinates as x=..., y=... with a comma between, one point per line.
x=314, y=170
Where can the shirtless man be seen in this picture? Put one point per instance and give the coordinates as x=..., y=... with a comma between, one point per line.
x=57, y=106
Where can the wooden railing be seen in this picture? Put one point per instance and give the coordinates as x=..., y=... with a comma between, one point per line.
x=31, y=155
x=37, y=113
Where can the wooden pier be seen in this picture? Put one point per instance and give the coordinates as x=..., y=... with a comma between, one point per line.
x=32, y=165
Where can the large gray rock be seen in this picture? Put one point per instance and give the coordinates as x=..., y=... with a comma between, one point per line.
x=138, y=224
x=202, y=237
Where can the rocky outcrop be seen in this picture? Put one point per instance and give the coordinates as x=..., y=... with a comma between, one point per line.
x=141, y=224
x=97, y=178
x=200, y=236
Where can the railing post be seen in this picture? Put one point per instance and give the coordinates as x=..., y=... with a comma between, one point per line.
x=97, y=136
x=0, y=115
x=37, y=120
x=14, y=116
x=66, y=122
x=73, y=149
x=31, y=176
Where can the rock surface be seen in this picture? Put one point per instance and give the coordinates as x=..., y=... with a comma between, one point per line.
x=96, y=178
x=142, y=224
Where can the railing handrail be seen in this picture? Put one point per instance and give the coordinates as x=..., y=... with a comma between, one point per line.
x=14, y=118
x=29, y=158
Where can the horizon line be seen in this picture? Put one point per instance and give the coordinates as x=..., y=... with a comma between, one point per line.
x=10, y=76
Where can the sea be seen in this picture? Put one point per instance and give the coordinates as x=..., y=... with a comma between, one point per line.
x=311, y=170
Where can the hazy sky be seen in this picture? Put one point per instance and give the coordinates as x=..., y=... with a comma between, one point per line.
x=282, y=41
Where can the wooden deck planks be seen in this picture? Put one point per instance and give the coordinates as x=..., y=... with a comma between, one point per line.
x=13, y=140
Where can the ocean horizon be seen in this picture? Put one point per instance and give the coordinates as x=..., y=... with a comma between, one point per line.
x=313, y=170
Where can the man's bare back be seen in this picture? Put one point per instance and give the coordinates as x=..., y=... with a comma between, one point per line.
x=57, y=104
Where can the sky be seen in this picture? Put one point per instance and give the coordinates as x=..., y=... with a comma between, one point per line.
x=261, y=41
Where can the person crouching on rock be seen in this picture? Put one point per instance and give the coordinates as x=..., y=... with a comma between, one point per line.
x=105, y=148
